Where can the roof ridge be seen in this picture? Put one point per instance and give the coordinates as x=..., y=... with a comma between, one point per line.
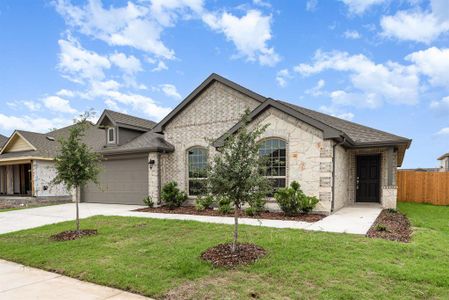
x=128, y=115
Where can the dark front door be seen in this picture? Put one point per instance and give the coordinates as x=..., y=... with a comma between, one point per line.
x=368, y=178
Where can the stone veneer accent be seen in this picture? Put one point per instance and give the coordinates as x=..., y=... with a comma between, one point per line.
x=388, y=192
x=43, y=174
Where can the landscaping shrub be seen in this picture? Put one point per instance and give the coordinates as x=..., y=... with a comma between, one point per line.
x=204, y=202
x=308, y=203
x=172, y=196
x=292, y=200
x=256, y=206
x=381, y=227
x=148, y=201
x=224, y=205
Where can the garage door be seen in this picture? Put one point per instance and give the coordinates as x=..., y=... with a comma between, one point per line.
x=122, y=181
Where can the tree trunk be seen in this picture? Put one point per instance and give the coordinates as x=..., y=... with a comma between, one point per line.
x=77, y=209
x=236, y=228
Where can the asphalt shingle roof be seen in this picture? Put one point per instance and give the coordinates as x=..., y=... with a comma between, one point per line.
x=3, y=140
x=148, y=141
x=47, y=144
x=358, y=133
x=130, y=120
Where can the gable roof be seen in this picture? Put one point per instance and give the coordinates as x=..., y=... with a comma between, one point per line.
x=3, y=140
x=443, y=156
x=124, y=120
x=46, y=144
x=147, y=142
x=196, y=92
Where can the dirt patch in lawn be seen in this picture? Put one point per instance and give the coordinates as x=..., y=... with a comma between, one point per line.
x=70, y=235
x=391, y=225
x=190, y=210
x=222, y=255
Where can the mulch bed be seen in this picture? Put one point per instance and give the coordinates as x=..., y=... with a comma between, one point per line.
x=391, y=225
x=190, y=210
x=222, y=256
x=73, y=235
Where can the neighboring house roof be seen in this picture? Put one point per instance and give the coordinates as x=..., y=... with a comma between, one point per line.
x=46, y=145
x=124, y=120
x=203, y=86
x=3, y=140
x=147, y=142
x=443, y=156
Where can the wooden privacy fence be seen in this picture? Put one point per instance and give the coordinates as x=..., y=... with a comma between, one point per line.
x=425, y=187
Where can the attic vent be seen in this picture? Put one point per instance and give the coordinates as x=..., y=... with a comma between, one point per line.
x=50, y=138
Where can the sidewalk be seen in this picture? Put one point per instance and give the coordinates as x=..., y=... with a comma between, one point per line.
x=20, y=282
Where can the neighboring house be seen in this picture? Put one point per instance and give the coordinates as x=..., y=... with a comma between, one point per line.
x=27, y=163
x=3, y=140
x=444, y=162
x=338, y=161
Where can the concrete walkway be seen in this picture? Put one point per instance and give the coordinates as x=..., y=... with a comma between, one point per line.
x=20, y=282
x=355, y=219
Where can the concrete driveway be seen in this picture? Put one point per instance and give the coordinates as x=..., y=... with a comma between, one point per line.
x=34, y=217
x=356, y=219
x=20, y=282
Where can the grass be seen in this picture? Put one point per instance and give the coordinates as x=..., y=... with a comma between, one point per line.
x=161, y=257
x=27, y=206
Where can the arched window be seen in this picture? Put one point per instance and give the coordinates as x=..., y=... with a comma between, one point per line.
x=273, y=151
x=197, y=164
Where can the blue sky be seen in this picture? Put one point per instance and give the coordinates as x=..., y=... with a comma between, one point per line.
x=381, y=63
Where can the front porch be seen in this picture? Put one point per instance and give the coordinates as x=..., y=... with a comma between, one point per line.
x=16, y=180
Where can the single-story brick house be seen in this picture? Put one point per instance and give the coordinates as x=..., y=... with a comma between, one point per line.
x=338, y=161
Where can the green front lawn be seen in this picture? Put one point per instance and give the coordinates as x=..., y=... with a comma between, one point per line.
x=160, y=257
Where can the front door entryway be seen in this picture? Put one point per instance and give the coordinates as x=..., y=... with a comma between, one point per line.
x=368, y=178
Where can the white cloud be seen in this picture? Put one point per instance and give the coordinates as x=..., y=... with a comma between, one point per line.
x=261, y=3
x=417, y=25
x=30, y=105
x=434, y=63
x=58, y=104
x=441, y=107
x=360, y=6
x=311, y=5
x=282, y=77
x=65, y=93
x=78, y=64
x=443, y=131
x=133, y=25
x=317, y=90
x=249, y=33
x=333, y=111
x=109, y=90
x=374, y=83
x=160, y=67
x=352, y=34
x=37, y=124
x=365, y=100
x=112, y=105
x=129, y=64
x=170, y=90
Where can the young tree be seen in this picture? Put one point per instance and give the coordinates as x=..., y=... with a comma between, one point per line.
x=237, y=171
x=76, y=164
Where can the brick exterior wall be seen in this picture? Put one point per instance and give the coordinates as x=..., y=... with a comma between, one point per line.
x=309, y=156
x=209, y=116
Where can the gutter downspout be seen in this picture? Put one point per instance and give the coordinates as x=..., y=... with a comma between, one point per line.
x=333, y=171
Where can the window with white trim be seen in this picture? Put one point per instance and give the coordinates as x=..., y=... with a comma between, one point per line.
x=273, y=151
x=197, y=170
x=111, y=135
